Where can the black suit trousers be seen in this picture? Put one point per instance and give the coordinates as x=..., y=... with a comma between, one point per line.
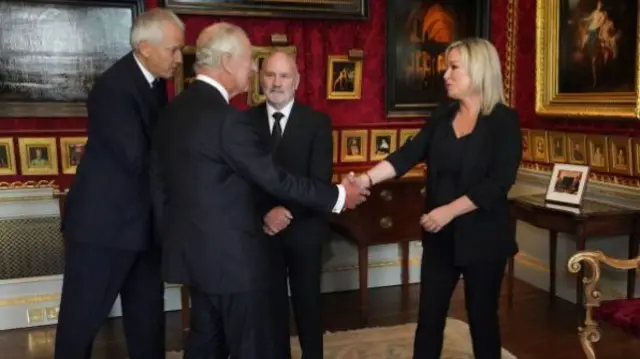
x=239, y=325
x=93, y=277
x=482, y=283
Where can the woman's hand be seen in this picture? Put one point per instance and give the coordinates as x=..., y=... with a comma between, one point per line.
x=435, y=220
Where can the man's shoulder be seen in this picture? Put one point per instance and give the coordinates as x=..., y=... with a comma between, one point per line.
x=311, y=114
x=115, y=76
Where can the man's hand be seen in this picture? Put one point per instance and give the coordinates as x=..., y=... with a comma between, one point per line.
x=355, y=194
x=361, y=180
x=437, y=218
x=276, y=220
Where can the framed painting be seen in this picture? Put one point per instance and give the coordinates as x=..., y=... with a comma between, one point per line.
x=71, y=151
x=38, y=156
x=185, y=73
x=255, y=96
x=577, y=148
x=7, y=157
x=636, y=151
x=417, y=35
x=383, y=143
x=527, y=154
x=353, y=146
x=48, y=70
x=319, y=9
x=586, y=63
x=344, y=78
x=620, y=155
x=598, y=152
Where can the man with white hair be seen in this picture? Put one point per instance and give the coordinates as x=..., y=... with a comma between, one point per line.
x=107, y=224
x=208, y=163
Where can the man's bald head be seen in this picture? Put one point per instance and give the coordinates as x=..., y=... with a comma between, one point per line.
x=279, y=78
x=224, y=53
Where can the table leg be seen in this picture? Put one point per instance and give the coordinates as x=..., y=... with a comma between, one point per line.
x=553, y=254
x=633, y=252
x=580, y=246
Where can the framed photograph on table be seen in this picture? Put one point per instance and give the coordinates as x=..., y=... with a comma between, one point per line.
x=567, y=184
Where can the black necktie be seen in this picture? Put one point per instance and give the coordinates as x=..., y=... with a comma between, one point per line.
x=276, y=133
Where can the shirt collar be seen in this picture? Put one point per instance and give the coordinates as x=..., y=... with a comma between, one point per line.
x=215, y=84
x=147, y=75
x=286, y=111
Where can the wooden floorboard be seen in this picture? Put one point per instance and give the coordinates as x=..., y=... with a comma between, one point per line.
x=533, y=328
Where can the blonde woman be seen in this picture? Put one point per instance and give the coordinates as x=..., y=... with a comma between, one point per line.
x=472, y=149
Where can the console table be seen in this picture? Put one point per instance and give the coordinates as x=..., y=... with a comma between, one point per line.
x=591, y=219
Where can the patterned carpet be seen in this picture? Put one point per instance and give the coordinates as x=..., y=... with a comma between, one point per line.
x=388, y=343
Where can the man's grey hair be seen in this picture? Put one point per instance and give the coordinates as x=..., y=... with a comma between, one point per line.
x=148, y=26
x=223, y=38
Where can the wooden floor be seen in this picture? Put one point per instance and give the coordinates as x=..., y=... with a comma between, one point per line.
x=532, y=329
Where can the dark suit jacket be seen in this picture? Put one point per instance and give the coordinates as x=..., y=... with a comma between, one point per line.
x=490, y=166
x=305, y=150
x=109, y=202
x=208, y=163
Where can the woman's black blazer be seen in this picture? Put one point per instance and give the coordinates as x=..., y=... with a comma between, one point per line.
x=489, y=169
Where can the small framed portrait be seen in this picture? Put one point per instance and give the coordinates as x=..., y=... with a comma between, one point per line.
x=557, y=147
x=526, y=148
x=38, y=156
x=620, y=155
x=540, y=149
x=577, y=148
x=7, y=157
x=407, y=134
x=185, y=74
x=344, y=78
x=71, y=150
x=567, y=184
x=383, y=142
x=636, y=150
x=353, y=146
x=598, y=152
x=336, y=144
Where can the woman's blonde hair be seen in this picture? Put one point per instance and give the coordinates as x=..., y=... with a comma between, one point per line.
x=480, y=58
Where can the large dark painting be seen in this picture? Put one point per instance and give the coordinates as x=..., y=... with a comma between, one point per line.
x=52, y=51
x=418, y=33
x=324, y=9
x=597, y=46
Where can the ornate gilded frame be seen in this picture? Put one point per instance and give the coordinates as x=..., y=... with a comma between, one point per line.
x=356, y=94
x=185, y=73
x=65, y=143
x=50, y=143
x=10, y=168
x=549, y=101
x=363, y=137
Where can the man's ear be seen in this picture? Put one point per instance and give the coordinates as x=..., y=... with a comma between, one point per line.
x=226, y=62
x=144, y=48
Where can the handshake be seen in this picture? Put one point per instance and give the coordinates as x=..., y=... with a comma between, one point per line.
x=356, y=188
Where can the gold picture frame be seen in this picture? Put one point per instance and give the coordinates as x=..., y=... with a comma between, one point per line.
x=620, y=155
x=336, y=145
x=407, y=134
x=353, y=146
x=38, y=156
x=344, y=78
x=636, y=150
x=577, y=148
x=539, y=146
x=185, y=74
x=598, y=152
x=557, y=147
x=526, y=145
x=383, y=143
x=557, y=96
x=259, y=53
x=7, y=157
x=71, y=151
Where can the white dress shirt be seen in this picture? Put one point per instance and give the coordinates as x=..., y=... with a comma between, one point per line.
x=215, y=84
x=147, y=75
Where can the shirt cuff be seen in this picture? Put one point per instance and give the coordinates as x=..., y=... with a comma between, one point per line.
x=342, y=195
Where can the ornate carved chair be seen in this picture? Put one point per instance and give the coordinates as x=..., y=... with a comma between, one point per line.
x=620, y=313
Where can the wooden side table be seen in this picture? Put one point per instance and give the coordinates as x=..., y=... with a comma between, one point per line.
x=592, y=219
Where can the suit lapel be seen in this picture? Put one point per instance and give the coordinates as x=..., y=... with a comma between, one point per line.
x=476, y=141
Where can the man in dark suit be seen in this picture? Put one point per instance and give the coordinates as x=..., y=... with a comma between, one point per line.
x=208, y=165
x=301, y=142
x=107, y=223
